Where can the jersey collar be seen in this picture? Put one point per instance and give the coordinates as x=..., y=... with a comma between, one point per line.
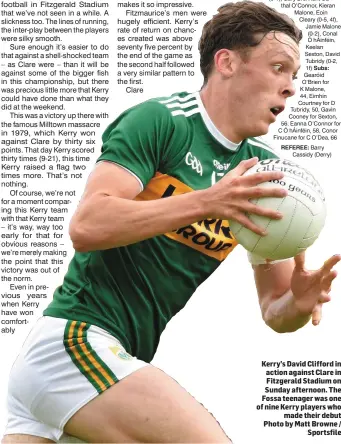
x=213, y=129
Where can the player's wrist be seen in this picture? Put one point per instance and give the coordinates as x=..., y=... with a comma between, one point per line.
x=301, y=308
x=287, y=317
x=205, y=201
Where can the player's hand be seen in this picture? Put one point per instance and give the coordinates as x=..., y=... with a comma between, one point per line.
x=230, y=197
x=311, y=289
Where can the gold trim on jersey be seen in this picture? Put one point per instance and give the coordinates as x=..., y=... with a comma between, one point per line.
x=211, y=237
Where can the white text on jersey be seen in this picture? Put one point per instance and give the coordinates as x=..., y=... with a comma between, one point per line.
x=194, y=163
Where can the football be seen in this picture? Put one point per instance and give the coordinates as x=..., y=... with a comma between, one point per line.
x=303, y=209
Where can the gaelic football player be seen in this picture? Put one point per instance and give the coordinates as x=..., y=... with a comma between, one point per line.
x=152, y=225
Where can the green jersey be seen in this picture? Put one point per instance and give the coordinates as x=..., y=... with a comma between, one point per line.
x=172, y=147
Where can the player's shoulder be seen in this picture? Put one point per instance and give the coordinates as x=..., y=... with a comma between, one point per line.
x=261, y=148
x=180, y=104
x=146, y=116
x=163, y=110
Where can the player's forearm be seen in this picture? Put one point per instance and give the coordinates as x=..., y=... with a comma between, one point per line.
x=109, y=222
x=283, y=316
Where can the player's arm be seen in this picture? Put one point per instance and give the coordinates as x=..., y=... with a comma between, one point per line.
x=144, y=140
x=289, y=295
x=273, y=282
x=107, y=217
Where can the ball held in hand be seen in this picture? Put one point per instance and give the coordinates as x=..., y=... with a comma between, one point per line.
x=303, y=209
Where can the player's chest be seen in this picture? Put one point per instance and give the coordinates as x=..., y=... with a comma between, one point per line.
x=202, y=164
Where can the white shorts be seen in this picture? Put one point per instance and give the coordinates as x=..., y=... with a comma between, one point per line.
x=62, y=366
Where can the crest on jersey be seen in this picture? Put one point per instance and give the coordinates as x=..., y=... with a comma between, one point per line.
x=120, y=353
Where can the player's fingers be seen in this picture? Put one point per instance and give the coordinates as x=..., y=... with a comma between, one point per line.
x=330, y=263
x=265, y=176
x=255, y=192
x=262, y=211
x=246, y=222
x=324, y=297
x=299, y=261
x=327, y=280
x=243, y=166
x=316, y=315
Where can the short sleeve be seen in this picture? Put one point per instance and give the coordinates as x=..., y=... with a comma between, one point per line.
x=138, y=139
